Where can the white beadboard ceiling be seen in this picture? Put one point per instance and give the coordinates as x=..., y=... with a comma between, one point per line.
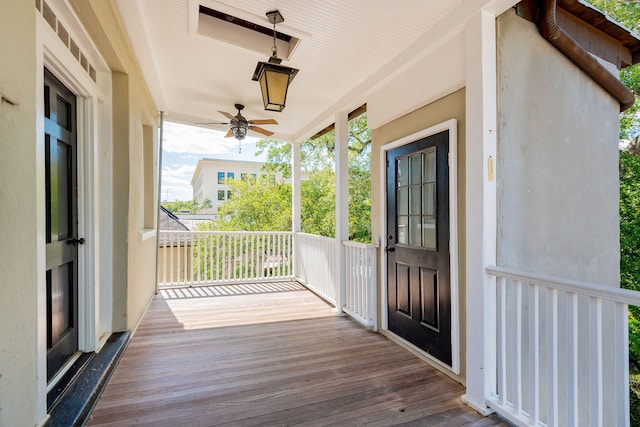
x=343, y=45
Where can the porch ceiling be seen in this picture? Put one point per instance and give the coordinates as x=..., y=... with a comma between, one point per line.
x=345, y=50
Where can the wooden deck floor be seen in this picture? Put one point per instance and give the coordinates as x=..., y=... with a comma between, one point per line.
x=273, y=354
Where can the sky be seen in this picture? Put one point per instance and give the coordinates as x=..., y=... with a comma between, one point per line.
x=184, y=145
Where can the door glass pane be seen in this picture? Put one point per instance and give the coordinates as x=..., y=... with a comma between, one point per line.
x=416, y=207
x=402, y=229
x=429, y=199
x=63, y=184
x=415, y=235
x=403, y=172
x=403, y=201
x=416, y=169
x=63, y=113
x=429, y=166
x=429, y=232
x=414, y=200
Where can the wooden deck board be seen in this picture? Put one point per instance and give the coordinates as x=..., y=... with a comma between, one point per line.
x=270, y=355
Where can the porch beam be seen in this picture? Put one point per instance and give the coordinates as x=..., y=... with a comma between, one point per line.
x=481, y=219
x=342, y=204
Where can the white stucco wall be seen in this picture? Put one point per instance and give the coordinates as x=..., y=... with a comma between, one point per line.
x=558, y=191
x=18, y=215
x=557, y=165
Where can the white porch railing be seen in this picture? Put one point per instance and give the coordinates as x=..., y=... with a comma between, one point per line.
x=562, y=350
x=315, y=264
x=188, y=258
x=204, y=257
x=361, y=282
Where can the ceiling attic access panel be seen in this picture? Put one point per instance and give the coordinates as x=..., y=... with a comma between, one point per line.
x=238, y=29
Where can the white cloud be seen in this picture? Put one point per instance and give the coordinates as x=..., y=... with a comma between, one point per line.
x=177, y=174
x=176, y=182
x=179, y=138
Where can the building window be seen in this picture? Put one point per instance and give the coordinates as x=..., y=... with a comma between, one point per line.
x=243, y=176
x=229, y=175
x=220, y=177
x=220, y=194
x=253, y=175
x=229, y=194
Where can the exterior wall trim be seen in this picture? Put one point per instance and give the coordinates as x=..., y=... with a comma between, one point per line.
x=481, y=206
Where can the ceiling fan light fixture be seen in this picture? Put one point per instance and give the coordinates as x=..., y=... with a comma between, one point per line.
x=274, y=78
x=239, y=130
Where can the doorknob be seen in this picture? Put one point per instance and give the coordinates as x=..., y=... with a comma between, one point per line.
x=75, y=241
x=389, y=249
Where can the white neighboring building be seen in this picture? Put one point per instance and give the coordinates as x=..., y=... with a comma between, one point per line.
x=209, y=179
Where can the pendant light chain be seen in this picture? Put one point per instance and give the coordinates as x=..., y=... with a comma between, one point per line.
x=274, y=49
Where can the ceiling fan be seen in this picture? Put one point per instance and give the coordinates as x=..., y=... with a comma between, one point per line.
x=239, y=125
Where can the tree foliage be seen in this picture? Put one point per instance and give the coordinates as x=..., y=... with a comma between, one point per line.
x=256, y=204
x=630, y=263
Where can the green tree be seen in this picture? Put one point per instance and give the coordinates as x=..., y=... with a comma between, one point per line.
x=630, y=264
x=260, y=204
x=317, y=203
x=630, y=230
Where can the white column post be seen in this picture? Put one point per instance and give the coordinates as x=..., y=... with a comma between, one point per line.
x=481, y=217
x=342, y=205
x=296, y=220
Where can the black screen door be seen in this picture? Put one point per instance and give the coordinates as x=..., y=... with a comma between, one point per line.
x=61, y=223
x=418, y=269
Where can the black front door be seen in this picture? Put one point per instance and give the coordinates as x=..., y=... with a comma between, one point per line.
x=61, y=223
x=418, y=271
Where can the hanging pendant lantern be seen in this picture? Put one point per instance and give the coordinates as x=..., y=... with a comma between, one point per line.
x=274, y=78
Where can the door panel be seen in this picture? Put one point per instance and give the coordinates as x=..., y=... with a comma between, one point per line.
x=430, y=315
x=419, y=296
x=403, y=290
x=61, y=223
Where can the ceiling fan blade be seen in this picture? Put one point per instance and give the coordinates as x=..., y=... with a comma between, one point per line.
x=264, y=122
x=211, y=123
x=229, y=133
x=260, y=130
x=227, y=115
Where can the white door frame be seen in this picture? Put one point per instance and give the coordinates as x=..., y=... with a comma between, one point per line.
x=451, y=125
x=51, y=53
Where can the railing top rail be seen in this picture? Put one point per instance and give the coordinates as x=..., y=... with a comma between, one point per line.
x=244, y=233
x=610, y=293
x=358, y=244
x=315, y=237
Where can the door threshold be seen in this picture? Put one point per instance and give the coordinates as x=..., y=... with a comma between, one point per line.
x=74, y=406
x=423, y=355
x=66, y=375
x=63, y=370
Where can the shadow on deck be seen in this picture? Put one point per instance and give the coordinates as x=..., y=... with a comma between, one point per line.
x=270, y=354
